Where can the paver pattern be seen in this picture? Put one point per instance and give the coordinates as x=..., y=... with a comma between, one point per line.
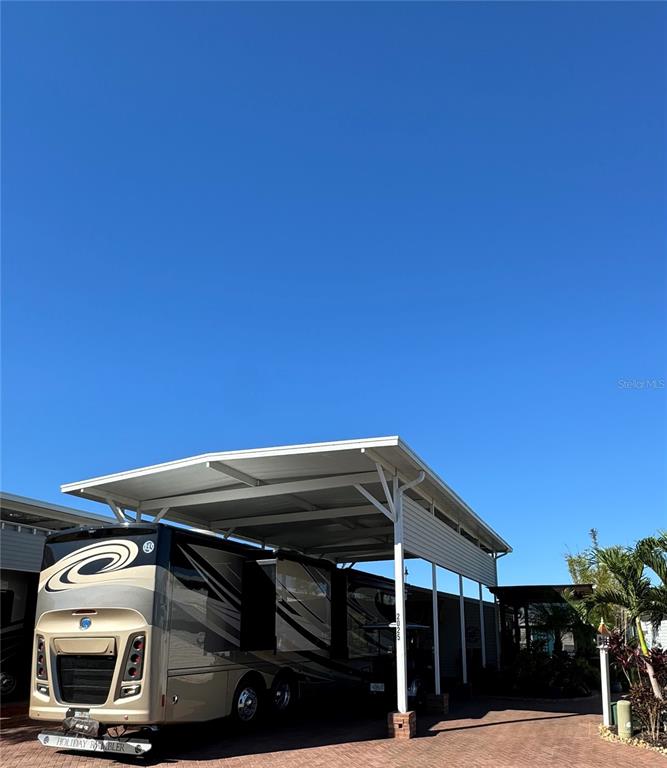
x=489, y=733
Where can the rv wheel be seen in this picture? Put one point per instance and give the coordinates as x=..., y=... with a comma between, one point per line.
x=7, y=684
x=283, y=694
x=246, y=702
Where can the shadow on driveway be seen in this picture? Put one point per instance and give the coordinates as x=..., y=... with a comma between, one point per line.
x=317, y=724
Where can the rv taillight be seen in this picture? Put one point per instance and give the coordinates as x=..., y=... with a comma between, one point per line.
x=40, y=660
x=134, y=658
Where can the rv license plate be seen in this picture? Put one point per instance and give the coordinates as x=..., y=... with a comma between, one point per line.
x=377, y=687
x=93, y=745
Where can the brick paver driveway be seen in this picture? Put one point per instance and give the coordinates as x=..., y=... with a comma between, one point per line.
x=481, y=734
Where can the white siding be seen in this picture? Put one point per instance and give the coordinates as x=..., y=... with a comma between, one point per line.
x=21, y=550
x=429, y=538
x=655, y=635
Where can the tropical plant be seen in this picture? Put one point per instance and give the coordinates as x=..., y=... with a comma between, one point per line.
x=585, y=568
x=633, y=592
x=557, y=620
x=624, y=656
x=534, y=672
x=652, y=551
x=647, y=709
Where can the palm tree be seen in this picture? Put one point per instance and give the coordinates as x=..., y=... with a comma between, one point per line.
x=557, y=620
x=633, y=592
x=585, y=568
x=652, y=551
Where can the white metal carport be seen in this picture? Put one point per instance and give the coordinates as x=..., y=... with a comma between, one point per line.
x=348, y=501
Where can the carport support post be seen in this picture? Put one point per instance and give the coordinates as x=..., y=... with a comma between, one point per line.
x=436, y=630
x=482, y=629
x=399, y=586
x=462, y=615
x=497, y=615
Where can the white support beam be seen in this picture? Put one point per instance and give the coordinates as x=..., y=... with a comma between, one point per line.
x=160, y=514
x=436, y=629
x=385, y=488
x=323, y=515
x=340, y=549
x=225, y=469
x=102, y=496
x=359, y=555
x=349, y=536
x=497, y=616
x=482, y=626
x=377, y=504
x=399, y=589
x=375, y=457
x=462, y=616
x=118, y=512
x=262, y=491
x=248, y=480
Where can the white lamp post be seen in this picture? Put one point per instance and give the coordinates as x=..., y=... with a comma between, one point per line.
x=603, y=647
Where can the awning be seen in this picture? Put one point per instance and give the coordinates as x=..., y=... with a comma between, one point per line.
x=323, y=499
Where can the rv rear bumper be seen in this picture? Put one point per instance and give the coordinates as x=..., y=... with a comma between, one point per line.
x=107, y=715
x=60, y=740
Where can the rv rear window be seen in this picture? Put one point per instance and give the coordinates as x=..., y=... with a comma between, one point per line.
x=104, y=544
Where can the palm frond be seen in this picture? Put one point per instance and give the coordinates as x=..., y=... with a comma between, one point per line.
x=603, y=598
x=652, y=552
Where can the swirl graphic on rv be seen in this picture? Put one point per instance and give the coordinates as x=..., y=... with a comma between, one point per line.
x=87, y=564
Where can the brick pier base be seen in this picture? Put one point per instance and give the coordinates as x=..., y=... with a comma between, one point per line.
x=438, y=705
x=402, y=725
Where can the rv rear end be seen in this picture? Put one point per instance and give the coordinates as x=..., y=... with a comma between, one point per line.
x=99, y=638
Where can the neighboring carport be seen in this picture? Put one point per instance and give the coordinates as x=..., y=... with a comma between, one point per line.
x=523, y=618
x=349, y=501
x=25, y=524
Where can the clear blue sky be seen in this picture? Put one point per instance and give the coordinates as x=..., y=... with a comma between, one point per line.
x=235, y=225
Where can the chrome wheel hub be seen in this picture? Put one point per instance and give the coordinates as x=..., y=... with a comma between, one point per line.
x=7, y=684
x=246, y=704
x=282, y=695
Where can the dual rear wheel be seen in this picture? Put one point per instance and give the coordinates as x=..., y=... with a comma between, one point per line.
x=251, y=699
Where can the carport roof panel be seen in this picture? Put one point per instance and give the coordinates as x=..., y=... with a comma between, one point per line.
x=34, y=513
x=152, y=487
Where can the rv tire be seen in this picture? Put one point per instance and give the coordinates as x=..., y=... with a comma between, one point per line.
x=284, y=694
x=8, y=685
x=247, y=701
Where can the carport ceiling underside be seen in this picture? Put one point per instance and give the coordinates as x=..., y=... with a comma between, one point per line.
x=315, y=498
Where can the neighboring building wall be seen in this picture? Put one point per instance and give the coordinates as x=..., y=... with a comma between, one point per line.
x=21, y=548
x=655, y=635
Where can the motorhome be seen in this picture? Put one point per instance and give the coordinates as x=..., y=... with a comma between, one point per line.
x=140, y=626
